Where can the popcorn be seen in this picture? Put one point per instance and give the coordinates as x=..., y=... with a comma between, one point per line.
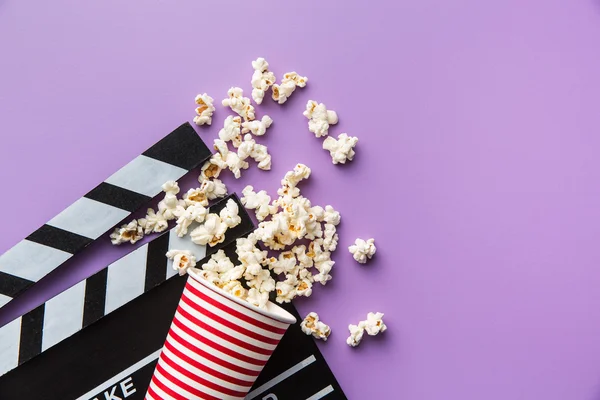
x=153, y=222
x=374, y=324
x=195, y=196
x=319, y=118
x=285, y=264
x=330, y=238
x=249, y=254
x=233, y=274
x=262, y=281
x=290, y=81
x=231, y=130
x=239, y=104
x=292, y=178
x=258, y=298
x=193, y=213
x=230, y=214
x=304, y=287
x=236, y=164
x=131, y=232
x=341, y=149
x=205, y=110
x=286, y=290
x=361, y=250
x=214, y=189
x=262, y=79
x=219, y=263
x=312, y=326
x=211, y=168
x=257, y=127
x=356, y=334
x=170, y=206
x=258, y=152
x=331, y=216
x=211, y=232
x=183, y=260
x=210, y=276
x=171, y=187
x=304, y=261
x=259, y=202
x=235, y=288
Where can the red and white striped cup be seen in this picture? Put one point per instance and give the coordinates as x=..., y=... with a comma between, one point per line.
x=217, y=345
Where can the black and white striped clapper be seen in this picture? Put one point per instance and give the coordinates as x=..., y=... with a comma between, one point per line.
x=95, y=213
x=95, y=297
x=114, y=358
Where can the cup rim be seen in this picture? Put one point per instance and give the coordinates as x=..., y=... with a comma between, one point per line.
x=273, y=310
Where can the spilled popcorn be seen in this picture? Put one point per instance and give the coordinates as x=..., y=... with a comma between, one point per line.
x=319, y=118
x=341, y=149
x=373, y=325
x=262, y=79
x=290, y=250
x=205, y=109
x=312, y=326
x=239, y=104
x=289, y=83
x=182, y=260
x=362, y=250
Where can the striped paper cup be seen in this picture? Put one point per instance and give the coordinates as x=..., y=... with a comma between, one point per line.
x=217, y=345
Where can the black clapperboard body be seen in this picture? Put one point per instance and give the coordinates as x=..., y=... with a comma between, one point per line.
x=114, y=358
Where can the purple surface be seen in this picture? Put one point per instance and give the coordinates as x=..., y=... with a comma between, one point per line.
x=476, y=171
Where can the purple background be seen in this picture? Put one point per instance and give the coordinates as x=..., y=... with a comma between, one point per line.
x=477, y=169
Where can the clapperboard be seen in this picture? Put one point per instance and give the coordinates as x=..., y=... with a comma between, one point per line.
x=95, y=213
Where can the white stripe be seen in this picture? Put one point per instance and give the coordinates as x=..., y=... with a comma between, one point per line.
x=281, y=377
x=10, y=336
x=209, y=363
x=234, y=319
x=145, y=175
x=173, y=386
x=217, y=353
x=122, y=375
x=88, y=218
x=158, y=391
x=63, y=315
x=237, y=307
x=31, y=261
x=222, y=328
x=201, y=374
x=195, y=384
x=126, y=279
x=321, y=393
x=184, y=243
x=4, y=300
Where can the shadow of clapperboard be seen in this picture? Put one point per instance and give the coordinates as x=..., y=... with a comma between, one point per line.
x=101, y=338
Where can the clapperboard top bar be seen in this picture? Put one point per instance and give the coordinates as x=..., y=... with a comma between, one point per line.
x=95, y=213
x=102, y=293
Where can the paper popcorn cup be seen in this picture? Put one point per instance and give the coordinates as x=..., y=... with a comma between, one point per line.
x=216, y=346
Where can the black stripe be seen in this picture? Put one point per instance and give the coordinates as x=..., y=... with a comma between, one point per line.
x=118, y=197
x=32, y=326
x=182, y=147
x=95, y=297
x=12, y=286
x=156, y=262
x=59, y=239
